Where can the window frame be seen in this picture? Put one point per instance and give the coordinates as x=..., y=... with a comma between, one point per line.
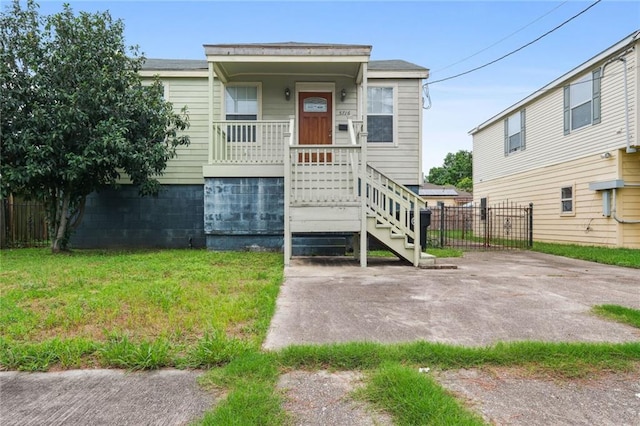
x=247, y=135
x=522, y=132
x=595, y=99
x=394, y=114
x=257, y=85
x=564, y=199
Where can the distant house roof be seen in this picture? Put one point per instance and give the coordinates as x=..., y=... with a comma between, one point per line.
x=200, y=64
x=432, y=190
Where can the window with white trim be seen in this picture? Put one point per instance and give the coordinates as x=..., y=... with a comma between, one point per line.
x=514, y=132
x=241, y=104
x=380, y=114
x=566, y=200
x=582, y=102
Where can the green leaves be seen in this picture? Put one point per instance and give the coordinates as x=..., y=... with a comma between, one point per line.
x=457, y=170
x=75, y=111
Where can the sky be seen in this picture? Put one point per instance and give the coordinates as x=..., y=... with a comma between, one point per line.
x=448, y=37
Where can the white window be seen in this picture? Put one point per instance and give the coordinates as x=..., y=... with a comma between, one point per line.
x=580, y=95
x=582, y=102
x=380, y=114
x=566, y=200
x=514, y=132
x=241, y=104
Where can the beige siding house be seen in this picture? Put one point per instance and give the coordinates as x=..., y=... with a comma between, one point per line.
x=572, y=149
x=295, y=144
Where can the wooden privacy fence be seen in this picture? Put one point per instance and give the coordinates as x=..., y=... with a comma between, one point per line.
x=480, y=227
x=22, y=224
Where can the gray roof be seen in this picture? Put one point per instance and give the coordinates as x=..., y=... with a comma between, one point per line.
x=175, y=64
x=201, y=64
x=444, y=192
x=395, y=65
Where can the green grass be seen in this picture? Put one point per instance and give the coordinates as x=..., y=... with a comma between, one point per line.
x=438, y=252
x=414, y=399
x=139, y=310
x=610, y=256
x=619, y=313
x=199, y=309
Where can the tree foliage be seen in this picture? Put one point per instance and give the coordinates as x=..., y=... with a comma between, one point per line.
x=457, y=170
x=75, y=114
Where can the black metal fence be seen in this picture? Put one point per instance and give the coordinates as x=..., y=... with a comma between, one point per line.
x=498, y=227
x=22, y=224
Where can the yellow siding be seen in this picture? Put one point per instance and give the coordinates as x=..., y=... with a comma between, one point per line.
x=546, y=143
x=629, y=200
x=542, y=187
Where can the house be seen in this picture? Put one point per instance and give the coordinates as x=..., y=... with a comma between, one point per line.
x=292, y=145
x=571, y=148
x=447, y=195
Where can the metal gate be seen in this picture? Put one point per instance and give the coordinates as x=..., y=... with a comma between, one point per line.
x=498, y=227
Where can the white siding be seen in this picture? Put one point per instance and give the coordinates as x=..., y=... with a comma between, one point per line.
x=546, y=143
x=401, y=161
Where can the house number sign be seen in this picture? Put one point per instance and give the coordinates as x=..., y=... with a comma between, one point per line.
x=344, y=113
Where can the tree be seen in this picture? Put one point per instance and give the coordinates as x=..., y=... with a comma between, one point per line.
x=457, y=170
x=75, y=114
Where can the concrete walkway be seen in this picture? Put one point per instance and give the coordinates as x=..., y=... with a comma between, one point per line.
x=491, y=297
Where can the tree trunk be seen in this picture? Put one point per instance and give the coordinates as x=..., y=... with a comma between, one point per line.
x=58, y=243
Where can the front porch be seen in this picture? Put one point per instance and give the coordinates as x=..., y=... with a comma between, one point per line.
x=288, y=149
x=322, y=189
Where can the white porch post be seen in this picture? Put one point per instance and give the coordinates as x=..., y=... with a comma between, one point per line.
x=287, y=193
x=363, y=169
x=211, y=117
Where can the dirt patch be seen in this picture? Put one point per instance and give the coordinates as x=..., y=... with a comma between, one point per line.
x=507, y=397
x=323, y=398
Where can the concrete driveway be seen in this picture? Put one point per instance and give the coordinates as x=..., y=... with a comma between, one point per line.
x=491, y=297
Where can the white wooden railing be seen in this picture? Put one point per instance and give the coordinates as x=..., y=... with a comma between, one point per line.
x=324, y=174
x=248, y=142
x=394, y=204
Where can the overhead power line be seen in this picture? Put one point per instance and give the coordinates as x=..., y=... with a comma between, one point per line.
x=518, y=49
x=502, y=39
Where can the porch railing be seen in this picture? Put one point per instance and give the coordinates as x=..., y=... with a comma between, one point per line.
x=248, y=142
x=324, y=174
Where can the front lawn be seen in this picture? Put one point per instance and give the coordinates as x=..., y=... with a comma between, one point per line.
x=109, y=308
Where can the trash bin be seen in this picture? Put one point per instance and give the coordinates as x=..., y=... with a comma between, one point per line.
x=425, y=222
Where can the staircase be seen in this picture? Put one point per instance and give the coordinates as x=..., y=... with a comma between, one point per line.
x=390, y=209
x=332, y=189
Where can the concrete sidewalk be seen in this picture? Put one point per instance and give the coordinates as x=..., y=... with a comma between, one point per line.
x=102, y=397
x=491, y=297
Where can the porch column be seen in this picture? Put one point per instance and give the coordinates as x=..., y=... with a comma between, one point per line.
x=363, y=170
x=210, y=124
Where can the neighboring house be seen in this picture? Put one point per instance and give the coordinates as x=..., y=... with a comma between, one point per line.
x=448, y=195
x=285, y=140
x=572, y=149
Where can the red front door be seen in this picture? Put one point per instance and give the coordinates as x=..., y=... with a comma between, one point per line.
x=315, y=112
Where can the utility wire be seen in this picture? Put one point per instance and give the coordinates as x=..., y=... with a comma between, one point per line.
x=518, y=49
x=502, y=39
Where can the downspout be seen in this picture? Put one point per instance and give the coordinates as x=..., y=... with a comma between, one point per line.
x=630, y=149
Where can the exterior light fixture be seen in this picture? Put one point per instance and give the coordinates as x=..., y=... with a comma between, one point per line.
x=605, y=155
x=343, y=95
x=287, y=93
